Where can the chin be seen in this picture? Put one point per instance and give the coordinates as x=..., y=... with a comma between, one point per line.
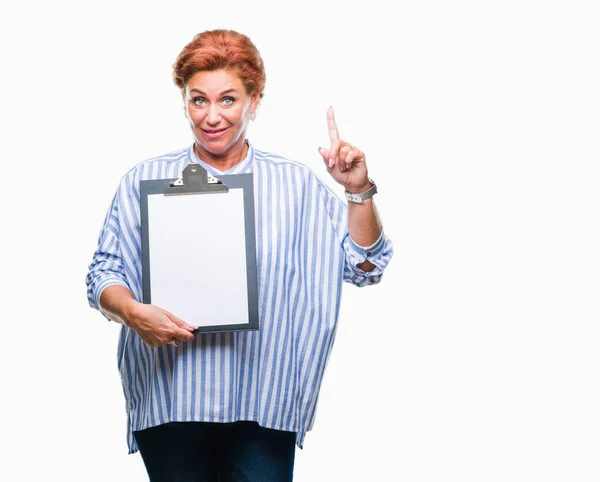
x=215, y=147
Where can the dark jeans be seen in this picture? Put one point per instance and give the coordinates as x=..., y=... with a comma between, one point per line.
x=216, y=452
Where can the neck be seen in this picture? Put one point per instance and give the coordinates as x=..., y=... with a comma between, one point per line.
x=225, y=161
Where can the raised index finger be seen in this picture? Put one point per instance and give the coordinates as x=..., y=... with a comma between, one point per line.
x=333, y=131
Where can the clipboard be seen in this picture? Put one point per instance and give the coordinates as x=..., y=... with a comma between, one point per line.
x=199, y=249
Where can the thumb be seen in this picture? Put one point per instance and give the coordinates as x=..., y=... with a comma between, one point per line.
x=324, y=154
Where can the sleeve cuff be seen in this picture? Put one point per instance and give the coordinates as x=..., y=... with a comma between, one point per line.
x=369, y=251
x=358, y=254
x=101, y=286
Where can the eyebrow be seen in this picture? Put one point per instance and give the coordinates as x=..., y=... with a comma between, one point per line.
x=228, y=91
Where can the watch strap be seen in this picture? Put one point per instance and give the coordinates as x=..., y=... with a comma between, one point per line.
x=362, y=196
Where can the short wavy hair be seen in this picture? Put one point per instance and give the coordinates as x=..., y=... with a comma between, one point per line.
x=221, y=49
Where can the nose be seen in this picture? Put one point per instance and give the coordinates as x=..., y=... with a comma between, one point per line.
x=213, y=116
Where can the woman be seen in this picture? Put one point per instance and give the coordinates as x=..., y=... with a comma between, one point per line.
x=231, y=406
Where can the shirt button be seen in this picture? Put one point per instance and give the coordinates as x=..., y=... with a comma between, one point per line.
x=368, y=253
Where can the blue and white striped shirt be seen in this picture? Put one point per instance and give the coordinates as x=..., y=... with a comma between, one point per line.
x=271, y=376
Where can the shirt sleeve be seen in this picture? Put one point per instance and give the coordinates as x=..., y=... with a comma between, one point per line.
x=107, y=267
x=379, y=253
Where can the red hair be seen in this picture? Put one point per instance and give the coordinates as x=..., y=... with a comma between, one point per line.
x=221, y=49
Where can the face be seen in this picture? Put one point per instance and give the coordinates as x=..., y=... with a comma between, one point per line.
x=218, y=108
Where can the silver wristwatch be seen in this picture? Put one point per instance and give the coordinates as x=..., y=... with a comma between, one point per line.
x=362, y=196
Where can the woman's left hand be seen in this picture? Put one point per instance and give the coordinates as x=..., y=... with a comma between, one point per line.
x=344, y=162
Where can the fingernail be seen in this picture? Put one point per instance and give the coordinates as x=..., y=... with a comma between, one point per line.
x=331, y=162
x=194, y=326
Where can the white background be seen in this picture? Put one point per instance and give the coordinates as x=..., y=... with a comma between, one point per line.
x=476, y=358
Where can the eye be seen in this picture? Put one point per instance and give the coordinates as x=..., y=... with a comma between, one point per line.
x=199, y=101
x=228, y=101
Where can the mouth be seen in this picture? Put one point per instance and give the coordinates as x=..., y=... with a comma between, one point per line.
x=214, y=133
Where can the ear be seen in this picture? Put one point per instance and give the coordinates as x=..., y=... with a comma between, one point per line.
x=184, y=102
x=255, y=99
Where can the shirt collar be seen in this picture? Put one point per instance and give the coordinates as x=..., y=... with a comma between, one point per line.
x=244, y=166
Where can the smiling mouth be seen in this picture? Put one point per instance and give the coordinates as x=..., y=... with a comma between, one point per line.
x=214, y=133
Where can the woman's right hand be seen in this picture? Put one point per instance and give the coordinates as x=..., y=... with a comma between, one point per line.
x=156, y=326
